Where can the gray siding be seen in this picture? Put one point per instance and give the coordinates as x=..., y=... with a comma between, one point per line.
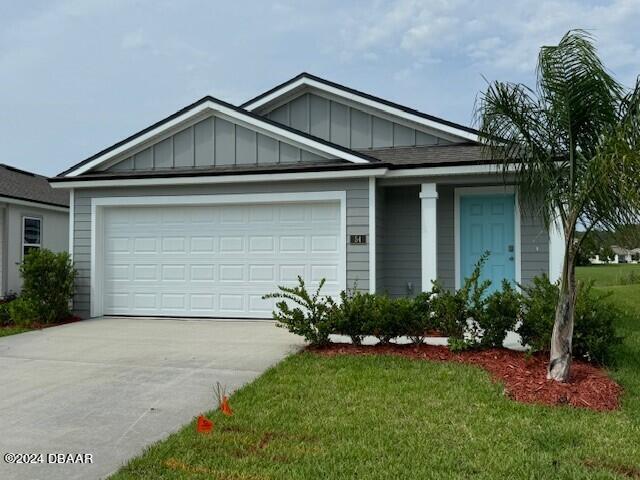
x=216, y=142
x=446, y=237
x=535, y=247
x=401, y=242
x=346, y=125
x=54, y=236
x=357, y=191
x=380, y=237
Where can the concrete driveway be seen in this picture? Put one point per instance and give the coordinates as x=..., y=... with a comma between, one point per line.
x=109, y=387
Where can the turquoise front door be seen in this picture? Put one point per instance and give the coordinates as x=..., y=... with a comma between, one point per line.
x=487, y=224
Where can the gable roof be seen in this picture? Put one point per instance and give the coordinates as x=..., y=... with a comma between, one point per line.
x=22, y=185
x=307, y=80
x=213, y=105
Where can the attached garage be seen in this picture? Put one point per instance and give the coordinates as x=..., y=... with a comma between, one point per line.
x=213, y=255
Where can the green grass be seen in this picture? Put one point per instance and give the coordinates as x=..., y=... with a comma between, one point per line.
x=386, y=417
x=12, y=330
x=602, y=275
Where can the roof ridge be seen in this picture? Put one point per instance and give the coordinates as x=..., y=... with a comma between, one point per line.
x=340, y=86
x=210, y=98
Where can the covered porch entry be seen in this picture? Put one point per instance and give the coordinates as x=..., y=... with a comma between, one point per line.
x=437, y=230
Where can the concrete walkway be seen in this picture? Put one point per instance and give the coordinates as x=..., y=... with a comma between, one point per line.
x=109, y=387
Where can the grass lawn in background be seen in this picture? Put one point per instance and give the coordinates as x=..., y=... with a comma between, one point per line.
x=383, y=417
x=613, y=274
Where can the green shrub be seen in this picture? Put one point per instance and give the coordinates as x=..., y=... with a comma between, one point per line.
x=5, y=317
x=385, y=322
x=450, y=311
x=409, y=320
x=501, y=312
x=594, y=335
x=422, y=320
x=461, y=312
x=47, y=284
x=538, y=311
x=23, y=311
x=353, y=316
x=312, y=318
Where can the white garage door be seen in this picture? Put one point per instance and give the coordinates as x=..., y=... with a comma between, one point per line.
x=216, y=261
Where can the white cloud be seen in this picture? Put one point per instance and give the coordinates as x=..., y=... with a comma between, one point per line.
x=496, y=35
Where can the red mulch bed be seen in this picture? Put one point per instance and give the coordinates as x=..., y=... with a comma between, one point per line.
x=69, y=319
x=40, y=326
x=524, y=378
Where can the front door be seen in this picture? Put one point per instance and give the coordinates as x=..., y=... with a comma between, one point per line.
x=487, y=224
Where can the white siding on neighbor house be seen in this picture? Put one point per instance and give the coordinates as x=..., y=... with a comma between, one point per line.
x=346, y=125
x=55, y=237
x=214, y=141
x=357, y=195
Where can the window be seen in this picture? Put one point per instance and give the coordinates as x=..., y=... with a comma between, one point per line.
x=31, y=234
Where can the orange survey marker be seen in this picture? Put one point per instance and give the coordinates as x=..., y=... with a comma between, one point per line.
x=204, y=424
x=223, y=401
x=225, y=407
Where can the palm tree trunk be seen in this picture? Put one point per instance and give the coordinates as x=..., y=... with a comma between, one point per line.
x=560, y=358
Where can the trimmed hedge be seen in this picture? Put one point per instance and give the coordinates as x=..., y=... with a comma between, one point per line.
x=470, y=317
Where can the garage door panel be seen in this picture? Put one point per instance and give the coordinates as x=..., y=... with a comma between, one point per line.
x=216, y=260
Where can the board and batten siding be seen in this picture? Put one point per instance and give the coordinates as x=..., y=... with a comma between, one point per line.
x=357, y=193
x=401, y=267
x=401, y=264
x=347, y=126
x=212, y=142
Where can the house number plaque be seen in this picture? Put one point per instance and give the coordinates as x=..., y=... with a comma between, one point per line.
x=357, y=239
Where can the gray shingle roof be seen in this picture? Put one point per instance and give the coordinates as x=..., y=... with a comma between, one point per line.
x=431, y=155
x=22, y=185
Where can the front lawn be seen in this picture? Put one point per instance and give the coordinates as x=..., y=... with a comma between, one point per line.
x=388, y=417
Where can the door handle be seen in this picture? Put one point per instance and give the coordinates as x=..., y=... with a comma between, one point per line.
x=511, y=258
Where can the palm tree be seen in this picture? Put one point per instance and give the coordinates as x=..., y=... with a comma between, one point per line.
x=572, y=147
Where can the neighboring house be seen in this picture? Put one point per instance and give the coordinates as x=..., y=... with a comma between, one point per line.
x=624, y=255
x=205, y=211
x=32, y=215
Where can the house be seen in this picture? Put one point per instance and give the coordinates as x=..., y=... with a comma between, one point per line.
x=32, y=215
x=624, y=255
x=203, y=212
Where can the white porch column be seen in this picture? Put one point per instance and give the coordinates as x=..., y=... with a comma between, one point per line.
x=429, y=200
x=556, y=249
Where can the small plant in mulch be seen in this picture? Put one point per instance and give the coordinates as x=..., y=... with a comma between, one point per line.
x=524, y=377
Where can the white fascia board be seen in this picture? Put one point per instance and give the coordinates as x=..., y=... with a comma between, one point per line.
x=28, y=203
x=450, y=170
x=231, y=113
x=308, y=82
x=209, y=180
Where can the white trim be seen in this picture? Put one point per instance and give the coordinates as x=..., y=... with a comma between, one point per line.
x=213, y=107
x=97, y=233
x=276, y=177
x=505, y=189
x=443, y=171
x=557, y=249
x=72, y=208
x=372, y=234
x=216, y=179
x=428, y=234
x=22, y=231
x=341, y=93
x=29, y=203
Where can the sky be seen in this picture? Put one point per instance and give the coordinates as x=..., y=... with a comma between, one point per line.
x=77, y=76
